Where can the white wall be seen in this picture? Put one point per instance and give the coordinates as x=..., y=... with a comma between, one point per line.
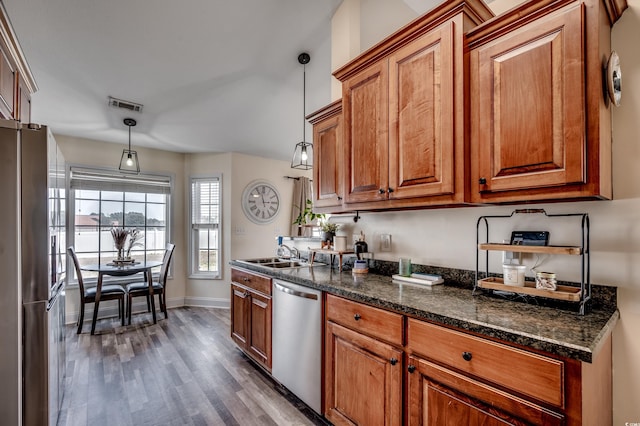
x=241, y=237
x=447, y=237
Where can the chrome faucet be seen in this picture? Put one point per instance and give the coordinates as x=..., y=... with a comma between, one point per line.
x=293, y=252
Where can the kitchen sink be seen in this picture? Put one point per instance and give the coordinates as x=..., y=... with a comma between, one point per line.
x=279, y=263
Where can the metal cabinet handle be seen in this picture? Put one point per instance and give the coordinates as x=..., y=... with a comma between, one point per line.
x=339, y=198
x=389, y=190
x=393, y=361
x=411, y=368
x=245, y=279
x=482, y=181
x=381, y=190
x=467, y=356
x=357, y=317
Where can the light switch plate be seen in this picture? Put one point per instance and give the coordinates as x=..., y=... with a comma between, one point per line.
x=385, y=242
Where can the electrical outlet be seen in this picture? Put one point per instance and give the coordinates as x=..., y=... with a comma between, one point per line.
x=385, y=242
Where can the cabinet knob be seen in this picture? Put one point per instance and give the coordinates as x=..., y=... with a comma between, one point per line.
x=381, y=190
x=467, y=356
x=411, y=368
x=357, y=317
x=389, y=190
x=393, y=361
x=339, y=198
x=245, y=279
x=482, y=181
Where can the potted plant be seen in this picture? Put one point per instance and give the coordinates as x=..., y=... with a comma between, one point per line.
x=307, y=216
x=328, y=230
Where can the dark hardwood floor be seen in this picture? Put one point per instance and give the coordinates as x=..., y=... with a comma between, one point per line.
x=182, y=371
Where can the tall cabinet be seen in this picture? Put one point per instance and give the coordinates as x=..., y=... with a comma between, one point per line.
x=540, y=121
x=404, y=138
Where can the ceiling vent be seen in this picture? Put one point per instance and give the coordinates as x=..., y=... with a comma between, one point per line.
x=128, y=105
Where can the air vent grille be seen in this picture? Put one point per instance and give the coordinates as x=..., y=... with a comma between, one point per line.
x=128, y=105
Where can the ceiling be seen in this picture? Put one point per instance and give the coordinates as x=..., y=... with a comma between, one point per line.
x=213, y=76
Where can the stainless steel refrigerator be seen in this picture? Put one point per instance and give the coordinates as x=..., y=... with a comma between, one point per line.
x=32, y=260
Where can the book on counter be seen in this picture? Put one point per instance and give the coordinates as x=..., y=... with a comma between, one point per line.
x=419, y=278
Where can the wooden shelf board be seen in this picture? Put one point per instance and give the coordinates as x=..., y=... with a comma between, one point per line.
x=567, y=293
x=570, y=250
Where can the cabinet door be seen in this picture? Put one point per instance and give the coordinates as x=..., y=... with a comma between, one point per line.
x=363, y=379
x=259, y=345
x=421, y=113
x=366, y=128
x=7, y=87
x=438, y=396
x=240, y=310
x=528, y=127
x=327, y=178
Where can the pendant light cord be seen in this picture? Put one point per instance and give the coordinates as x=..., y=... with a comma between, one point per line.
x=304, y=98
x=129, y=125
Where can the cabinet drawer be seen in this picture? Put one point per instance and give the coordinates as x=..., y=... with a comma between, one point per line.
x=528, y=373
x=365, y=319
x=257, y=282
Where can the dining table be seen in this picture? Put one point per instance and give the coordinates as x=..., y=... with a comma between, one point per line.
x=123, y=269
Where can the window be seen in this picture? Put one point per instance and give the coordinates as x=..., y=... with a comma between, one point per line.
x=205, y=227
x=102, y=200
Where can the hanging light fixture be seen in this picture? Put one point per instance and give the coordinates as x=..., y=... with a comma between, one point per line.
x=303, y=153
x=129, y=160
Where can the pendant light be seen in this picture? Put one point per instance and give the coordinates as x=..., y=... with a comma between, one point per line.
x=129, y=160
x=303, y=152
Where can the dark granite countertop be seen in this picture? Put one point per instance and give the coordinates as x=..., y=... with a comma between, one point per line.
x=548, y=329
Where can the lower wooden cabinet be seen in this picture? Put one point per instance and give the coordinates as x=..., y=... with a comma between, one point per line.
x=440, y=396
x=363, y=379
x=382, y=368
x=363, y=367
x=251, y=315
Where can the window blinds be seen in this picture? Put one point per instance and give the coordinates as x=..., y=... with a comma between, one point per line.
x=104, y=180
x=205, y=198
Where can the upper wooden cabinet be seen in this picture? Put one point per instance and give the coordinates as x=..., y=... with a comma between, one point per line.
x=404, y=138
x=540, y=123
x=327, y=146
x=16, y=81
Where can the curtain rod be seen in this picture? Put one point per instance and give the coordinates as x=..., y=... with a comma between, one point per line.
x=295, y=178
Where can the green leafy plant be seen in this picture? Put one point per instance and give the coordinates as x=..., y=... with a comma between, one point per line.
x=307, y=215
x=329, y=227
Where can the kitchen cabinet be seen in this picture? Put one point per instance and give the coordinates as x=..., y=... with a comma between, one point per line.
x=251, y=315
x=7, y=86
x=327, y=168
x=363, y=369
x=404, y=111
x=451, y=376
x=16, y=81
x=540, y=120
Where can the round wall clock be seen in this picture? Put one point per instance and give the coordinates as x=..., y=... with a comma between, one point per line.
x=260, y=201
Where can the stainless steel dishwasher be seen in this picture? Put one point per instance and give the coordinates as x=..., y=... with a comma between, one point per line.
x=297, y=341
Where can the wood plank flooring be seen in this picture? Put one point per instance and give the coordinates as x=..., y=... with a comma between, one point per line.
x=182, y=371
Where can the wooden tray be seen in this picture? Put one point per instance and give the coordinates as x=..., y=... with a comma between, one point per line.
x=567, y=293
x=570, y=250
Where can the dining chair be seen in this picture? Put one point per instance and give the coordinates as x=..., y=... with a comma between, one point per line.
x=138, y=289
x=88, y=294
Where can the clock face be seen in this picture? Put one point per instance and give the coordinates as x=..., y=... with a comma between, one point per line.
x=261, y=202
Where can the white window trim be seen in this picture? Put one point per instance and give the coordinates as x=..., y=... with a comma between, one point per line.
x=192, y=258
x=70, y=234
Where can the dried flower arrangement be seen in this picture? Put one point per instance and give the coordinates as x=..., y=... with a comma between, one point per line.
x=134, y=240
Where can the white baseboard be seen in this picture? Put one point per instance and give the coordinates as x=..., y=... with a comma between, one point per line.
x=109, y=309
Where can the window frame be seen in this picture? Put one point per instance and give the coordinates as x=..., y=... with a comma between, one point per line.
x=193, y=257
x=71, y=280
